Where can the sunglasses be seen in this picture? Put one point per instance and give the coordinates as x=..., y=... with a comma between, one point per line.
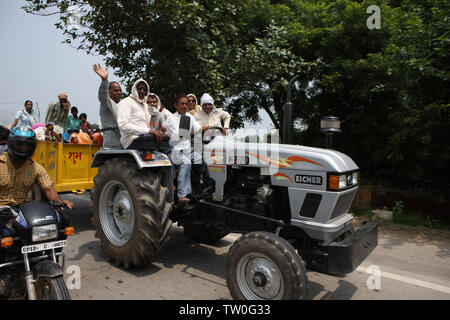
x=191, y=100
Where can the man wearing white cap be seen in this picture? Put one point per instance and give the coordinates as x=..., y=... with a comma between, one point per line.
x=210, y=116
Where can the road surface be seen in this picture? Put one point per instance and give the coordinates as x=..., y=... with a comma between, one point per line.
x=405, y=265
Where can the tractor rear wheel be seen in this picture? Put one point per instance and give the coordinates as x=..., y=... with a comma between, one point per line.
x=130, y=212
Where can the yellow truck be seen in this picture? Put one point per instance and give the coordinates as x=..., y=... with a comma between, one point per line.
x=69, y=165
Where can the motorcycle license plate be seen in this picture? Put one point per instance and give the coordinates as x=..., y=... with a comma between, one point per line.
x=44, y=246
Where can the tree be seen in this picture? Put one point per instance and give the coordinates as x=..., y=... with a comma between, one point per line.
x=388, y=85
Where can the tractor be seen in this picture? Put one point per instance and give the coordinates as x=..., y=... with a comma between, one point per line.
x=290, y=203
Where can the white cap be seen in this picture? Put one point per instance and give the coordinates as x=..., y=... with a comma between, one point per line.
x=206, y=98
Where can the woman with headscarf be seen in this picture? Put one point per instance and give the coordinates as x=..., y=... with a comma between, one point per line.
x=25, y=117
x=193, y=106
x=80, y=138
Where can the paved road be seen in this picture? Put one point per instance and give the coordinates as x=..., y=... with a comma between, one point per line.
x=412, y=266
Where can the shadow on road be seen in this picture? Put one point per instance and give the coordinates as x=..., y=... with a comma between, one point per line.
x=345, y=291
x=195, y=257
x=80, y=215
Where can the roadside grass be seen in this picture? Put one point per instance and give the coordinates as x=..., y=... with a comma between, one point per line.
x=404, y=217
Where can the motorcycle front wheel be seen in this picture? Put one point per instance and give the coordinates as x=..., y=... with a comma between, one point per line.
x=52, y=289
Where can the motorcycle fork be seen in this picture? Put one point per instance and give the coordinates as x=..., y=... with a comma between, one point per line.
x=31, y=289
x=29, y=279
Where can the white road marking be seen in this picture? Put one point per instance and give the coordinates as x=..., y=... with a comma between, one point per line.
x=409, y=280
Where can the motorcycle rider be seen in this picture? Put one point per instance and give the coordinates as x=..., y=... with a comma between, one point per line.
x=18, y=172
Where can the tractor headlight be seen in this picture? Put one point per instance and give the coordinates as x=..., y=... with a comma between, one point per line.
x=43, y=233
x=355, y=178
x=337, y=182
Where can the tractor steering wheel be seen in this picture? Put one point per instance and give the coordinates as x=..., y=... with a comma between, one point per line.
x=209, y=137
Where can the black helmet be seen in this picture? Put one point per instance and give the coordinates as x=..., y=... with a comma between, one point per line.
x=22, y=142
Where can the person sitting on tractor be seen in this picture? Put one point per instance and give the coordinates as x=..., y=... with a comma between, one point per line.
x=157, y=120
x=180, y=127
x=133, y=116
x=18, y=172
x=109, y=95
x=210, y=116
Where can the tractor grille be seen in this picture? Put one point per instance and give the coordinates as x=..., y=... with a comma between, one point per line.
x=310, y=205
x=343, y=204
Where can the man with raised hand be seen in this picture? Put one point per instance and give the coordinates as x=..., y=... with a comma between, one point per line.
x=109, y=95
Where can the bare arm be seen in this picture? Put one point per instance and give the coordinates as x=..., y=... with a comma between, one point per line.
x=51, y=194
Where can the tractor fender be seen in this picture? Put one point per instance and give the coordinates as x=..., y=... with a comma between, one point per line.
x=159, y=159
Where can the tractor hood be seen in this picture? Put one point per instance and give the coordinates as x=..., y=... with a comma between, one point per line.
x=224, y=150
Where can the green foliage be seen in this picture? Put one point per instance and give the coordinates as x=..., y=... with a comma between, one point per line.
x=389, y=86
x=398, y=211
x=414, y=218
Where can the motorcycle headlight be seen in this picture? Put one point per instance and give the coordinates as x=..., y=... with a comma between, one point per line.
x=43, y=233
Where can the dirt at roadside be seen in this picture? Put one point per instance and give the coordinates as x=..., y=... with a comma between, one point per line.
x=417, y=234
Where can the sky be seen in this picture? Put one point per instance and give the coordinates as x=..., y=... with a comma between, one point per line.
x=35, y=65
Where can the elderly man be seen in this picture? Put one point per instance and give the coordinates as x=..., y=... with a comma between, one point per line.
x=210, y=116
x=58, y=112
x=109, y=95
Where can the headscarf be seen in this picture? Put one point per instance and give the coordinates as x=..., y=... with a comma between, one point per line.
x=197, y=108
x=97, y=138
x=152, y=110
x=134, y=93
x=82, y=137
x=72, y=136
x=206, y=98
x=62, y=95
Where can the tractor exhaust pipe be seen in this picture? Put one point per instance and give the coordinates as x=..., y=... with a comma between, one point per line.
x=288, y=121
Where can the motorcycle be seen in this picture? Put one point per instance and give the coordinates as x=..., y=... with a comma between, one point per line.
x=33, y=236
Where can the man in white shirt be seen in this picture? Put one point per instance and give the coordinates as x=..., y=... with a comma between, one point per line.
x=166, y=113
x=133, y=116
x=180, y=141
